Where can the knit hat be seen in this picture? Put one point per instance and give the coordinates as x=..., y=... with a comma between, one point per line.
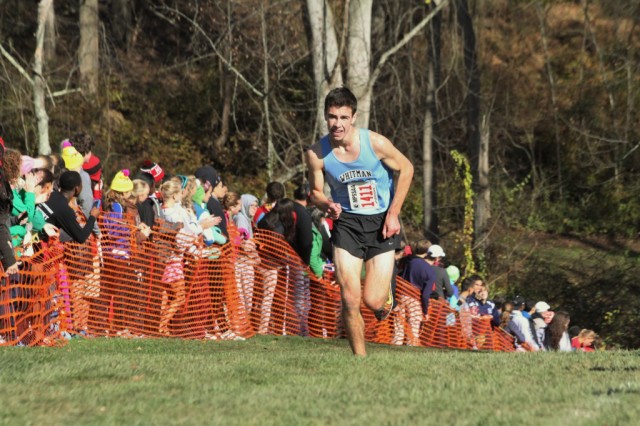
x=93, y=168
x=198, y=196
x=72, y=158
x=153, y=169
x=146, y=178
x=453, y=272
x=121, y=182
x=27, y=164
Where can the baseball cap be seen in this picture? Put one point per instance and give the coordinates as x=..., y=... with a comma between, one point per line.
x=542, y=307
x=435, y=251
x=208, y=174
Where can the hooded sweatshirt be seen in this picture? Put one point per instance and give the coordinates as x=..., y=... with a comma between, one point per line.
x=243, y=218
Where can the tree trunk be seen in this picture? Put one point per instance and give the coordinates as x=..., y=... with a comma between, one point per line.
x=359, y=58
x=483, y=200
x=473, y=105
x=89, y=50
x=325, y=50
x=39, y=85
x=227, y=90
x=430, y=200
x=122, y=20
x=50, y=34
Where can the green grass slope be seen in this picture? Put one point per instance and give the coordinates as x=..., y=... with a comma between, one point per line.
x=298, y=381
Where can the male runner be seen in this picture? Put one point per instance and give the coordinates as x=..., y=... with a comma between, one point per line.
x=359, y=166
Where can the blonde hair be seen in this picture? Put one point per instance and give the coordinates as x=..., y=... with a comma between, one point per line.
x=188, y=192
x=139, y=186
x=170, y=188
x=587, y=334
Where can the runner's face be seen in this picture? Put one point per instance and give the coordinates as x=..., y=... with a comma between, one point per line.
x=339, y=122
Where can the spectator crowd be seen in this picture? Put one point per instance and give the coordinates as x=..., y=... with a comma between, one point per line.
x=65, y=196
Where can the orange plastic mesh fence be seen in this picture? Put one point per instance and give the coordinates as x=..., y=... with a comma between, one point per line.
x=174, y=285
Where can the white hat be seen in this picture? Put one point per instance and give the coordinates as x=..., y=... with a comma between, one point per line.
x=435, y=251
x=541, y=307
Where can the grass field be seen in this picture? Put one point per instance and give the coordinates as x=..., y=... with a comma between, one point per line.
x=294, y=381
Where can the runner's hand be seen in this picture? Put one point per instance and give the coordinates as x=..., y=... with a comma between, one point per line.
x=334, y=210
x=391, y=226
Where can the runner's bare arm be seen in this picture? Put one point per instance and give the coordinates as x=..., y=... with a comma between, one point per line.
x=316, y=184
x=396, y=161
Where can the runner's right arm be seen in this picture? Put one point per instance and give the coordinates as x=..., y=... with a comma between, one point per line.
x=316, y=184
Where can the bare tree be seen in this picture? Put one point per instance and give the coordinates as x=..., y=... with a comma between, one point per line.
x=89, y=49
x=325, y=54
x=359, y=57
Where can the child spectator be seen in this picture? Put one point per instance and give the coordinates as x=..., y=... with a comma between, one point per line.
x=454, y=275
x=319, y=219
x=584, y=342
x=83, y=143
x=212, y=182
x=73, y=161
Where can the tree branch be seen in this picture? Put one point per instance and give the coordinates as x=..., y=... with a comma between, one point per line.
x=411, y=34
x=215, y=49
x=15, y=63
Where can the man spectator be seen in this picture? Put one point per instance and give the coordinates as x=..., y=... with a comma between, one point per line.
x=57, y=211
x=480, y=305
x=301, y=195
x=442, y=288
x=210, y=179
x=520, y=326
x=419, y=273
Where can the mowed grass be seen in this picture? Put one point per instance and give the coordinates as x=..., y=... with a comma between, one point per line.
x=298, y=381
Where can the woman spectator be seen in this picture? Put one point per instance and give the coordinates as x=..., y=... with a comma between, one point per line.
x=557, y=335
x=244, y=218
x=281, y=219
x=24, y=198
x=148, y=207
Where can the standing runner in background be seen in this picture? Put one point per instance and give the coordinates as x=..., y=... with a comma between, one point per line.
x=359, y=166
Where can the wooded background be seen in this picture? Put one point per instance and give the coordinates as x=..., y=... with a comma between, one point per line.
x=541, y=98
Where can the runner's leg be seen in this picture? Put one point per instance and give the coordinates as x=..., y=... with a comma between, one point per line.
x=348, y=269
x=377, y=281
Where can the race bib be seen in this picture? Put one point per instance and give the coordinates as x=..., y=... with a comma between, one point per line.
x=363, y=195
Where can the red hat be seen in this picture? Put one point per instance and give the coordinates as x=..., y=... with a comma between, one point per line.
x=153, y=169
x=93, y=167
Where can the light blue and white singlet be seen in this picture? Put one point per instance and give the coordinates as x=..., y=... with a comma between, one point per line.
x=363, y=186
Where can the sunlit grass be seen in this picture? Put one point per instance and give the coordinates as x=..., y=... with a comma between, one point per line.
x=277, y=380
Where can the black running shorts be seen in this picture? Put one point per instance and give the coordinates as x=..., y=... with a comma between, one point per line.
x=361, y=235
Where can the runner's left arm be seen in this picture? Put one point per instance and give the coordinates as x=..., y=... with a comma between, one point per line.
x=398, y=162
